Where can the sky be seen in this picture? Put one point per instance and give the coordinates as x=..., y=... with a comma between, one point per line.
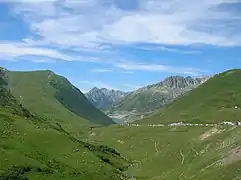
x=120, y=44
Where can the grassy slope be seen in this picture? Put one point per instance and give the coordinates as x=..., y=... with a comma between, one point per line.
x=214, y=101
x=53, y=96
x=145, y=101
x=42, y=151
x=156, y=153
x=33, y=148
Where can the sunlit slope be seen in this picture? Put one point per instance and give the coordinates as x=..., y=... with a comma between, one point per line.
x=217, y=100
x=168, y=153
x=33, y=148
x=53, y=96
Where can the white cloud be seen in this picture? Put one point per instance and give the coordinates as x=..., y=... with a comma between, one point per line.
x=157, y=68
x=102, y=70
x=168, y=49
x=99, y=70
x=16, y=51
x=91, y=23
x=26, y=1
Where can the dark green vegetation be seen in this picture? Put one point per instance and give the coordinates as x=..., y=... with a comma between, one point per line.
x=35, y=148
x=53, y=96
x=217, y=100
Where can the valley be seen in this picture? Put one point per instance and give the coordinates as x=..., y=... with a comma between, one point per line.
x=132, y=106
x=49, y=130
x=120, y=90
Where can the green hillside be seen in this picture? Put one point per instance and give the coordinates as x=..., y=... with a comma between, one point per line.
x=182, y=153
x=217, y=100
x=53, y=96
x=33, y=148
x=185, y=153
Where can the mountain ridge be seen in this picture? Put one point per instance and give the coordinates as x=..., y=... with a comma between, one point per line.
x=146, y=100
x=216, y=100
x=51, y=95
x=104, y=98
x=33, y=147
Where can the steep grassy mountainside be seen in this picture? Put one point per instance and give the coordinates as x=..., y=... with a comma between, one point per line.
x=188, y=152
x=53, y=96
x=217, y=100
x=104, y=98
x=169, y=153
x=7, y=100
x=38, y=151
x=148, y=99
x=33, y=148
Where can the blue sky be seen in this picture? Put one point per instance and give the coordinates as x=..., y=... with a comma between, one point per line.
x=120, y=44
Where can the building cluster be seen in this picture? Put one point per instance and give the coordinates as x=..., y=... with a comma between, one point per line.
x=226, y=123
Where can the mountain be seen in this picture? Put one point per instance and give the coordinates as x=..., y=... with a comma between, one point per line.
x=7, y=100
x=150, y=98
x=52, y=96
x=185, y=152
x=104, y=98
x=35, y=148
x=217, y=100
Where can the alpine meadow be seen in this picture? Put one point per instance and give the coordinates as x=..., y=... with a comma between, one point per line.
x=120, y=90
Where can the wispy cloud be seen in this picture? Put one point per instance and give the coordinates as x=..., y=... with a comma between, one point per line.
x=168, y=49
x=158, y=68
x=59, y=27
x=19, y=51
x=172, y=22
x=99, y=70
x=102, y=70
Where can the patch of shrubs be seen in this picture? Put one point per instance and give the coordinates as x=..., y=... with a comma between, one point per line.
x=19, y=172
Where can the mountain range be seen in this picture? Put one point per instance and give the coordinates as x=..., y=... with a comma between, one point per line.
x=182, y=152
x=49, y=130
x=217, y=100
x=104, y=98
x=135, y=105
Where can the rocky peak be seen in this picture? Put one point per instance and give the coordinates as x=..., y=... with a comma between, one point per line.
x=182, y=82
x=104, y=98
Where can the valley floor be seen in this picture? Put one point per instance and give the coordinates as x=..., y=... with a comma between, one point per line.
x=176, y=152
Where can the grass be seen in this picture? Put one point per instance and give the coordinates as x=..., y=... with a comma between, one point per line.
x=174, y=152
x=34, y=150
x=32, y=147
x=53, y=96
x=214, y=101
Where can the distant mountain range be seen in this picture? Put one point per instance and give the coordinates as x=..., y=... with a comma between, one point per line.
x=104, y=98
x=135, y=105
x=216, y=101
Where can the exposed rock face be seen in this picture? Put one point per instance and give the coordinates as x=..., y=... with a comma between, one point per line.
x=104, y=98
x=150, y=98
